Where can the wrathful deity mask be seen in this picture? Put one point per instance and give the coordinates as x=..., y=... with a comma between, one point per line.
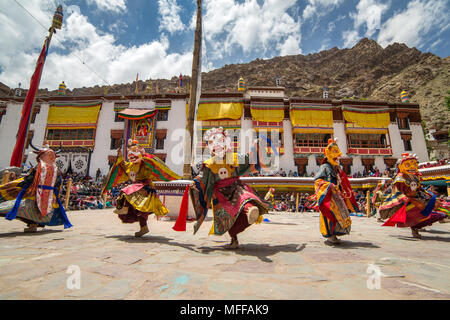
x=135, y=153
x=218, y=142
x=408, y=164
x=332, y=152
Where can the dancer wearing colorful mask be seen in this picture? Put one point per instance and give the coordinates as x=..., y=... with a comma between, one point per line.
x=269, y=198
x=378, y=198
x=34, y=199
x=410, y=205
x=234, y=204
x=139, y=199
x=333, y=196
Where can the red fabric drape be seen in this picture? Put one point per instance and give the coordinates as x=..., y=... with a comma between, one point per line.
x=16, y=157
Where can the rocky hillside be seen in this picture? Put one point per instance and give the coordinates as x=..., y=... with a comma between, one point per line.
x=366, y=71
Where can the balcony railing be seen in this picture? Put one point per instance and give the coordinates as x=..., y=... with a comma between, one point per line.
x=301, y=150
x=370, y=151
x=71, y=143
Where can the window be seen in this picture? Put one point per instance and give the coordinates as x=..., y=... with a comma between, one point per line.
x=162, y=115
x=159, y=143
x=406, y=137
x=407, y=145
x=116, y=136
x=366, y=140
x=278, y=142
x=403, y=123
x=312, y=139
x=36, y=110
x=115, y=144
x=160, y=136
x=70, y=134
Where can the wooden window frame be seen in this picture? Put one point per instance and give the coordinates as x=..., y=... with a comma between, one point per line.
x=362, y=140
x=309, y=140
x=403, y=123
x=162, y=115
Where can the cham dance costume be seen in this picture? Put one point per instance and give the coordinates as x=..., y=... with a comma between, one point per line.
x=234, y=204
x=378, y=198
x=411, y=205
x=333, y=196
x=269, y=198
x=34, y=199
x=139, y=199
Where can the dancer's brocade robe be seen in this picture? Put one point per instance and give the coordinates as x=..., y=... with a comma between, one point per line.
x=269, y=199
x=18, y=200
x=218, y=187
x=410, y=205
x=140, y=194
x=335, y=206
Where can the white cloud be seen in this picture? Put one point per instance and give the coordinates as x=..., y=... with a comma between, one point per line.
x=170, y=17
x=290, y=46
x=253, y=27
x=81, y=40
x=331, y=26
x=369, y=14
x=109, y=5
x=350, y=37
x=319, y=8
x=411, y=25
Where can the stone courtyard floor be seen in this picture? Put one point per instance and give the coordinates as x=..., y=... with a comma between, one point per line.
x=285, y=258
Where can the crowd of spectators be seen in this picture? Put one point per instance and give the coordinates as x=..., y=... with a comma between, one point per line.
x=288, y=202
x=86, y=191
x=294, y=173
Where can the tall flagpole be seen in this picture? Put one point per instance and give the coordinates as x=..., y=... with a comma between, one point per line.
x=28, y=105
x=187, y=173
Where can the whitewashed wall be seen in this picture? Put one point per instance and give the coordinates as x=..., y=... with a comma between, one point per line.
x=287, y=159
x=312, y=166
x=357, y=165
x=173, y=145
x=418, y=143
x=8, y=130
x=379, y=164
x=39, y=132
x=339, y=133
x=99, y=157
x=396, y=140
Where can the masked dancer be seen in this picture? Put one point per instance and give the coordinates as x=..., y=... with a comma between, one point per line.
x=410, y=205
x=333, y=196
x=138, y=199
x=34, y=198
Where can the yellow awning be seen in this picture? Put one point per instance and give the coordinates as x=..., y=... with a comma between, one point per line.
x=267, y=112
x=73, y=115
x=268, y=129
x=225, y=124
x=313, y=130
x=366, y=130
x=308, y=115
x=367, y=117
x=218, y=108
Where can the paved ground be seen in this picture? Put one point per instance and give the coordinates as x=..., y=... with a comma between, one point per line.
x=283, y=259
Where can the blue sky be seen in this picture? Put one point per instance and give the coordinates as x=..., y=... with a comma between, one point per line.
x=109, y=41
